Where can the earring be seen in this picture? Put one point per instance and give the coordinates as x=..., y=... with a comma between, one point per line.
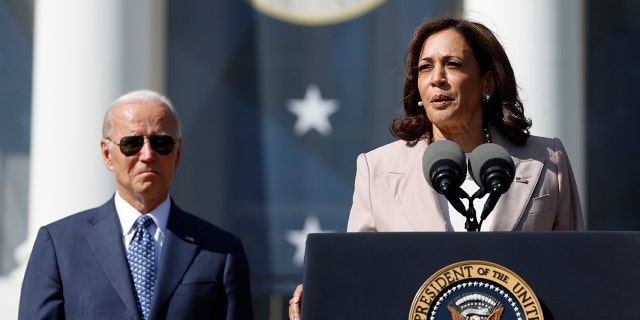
x=486, y=98
x=420, y=104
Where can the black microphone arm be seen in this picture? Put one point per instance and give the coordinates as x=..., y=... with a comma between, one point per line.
x=492, y=168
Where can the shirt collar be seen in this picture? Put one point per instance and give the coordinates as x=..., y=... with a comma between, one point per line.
x=128, y=214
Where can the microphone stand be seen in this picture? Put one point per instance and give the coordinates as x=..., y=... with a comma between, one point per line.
x=477, y=195
x=455, y=195
x=494, y=195
x=473, y=224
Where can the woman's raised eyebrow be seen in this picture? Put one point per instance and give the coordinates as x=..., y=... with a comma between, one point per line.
x=447, y=57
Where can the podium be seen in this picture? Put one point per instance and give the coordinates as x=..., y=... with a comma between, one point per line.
x=574, y=275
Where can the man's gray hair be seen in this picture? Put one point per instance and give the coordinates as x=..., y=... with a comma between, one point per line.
x=141, y=96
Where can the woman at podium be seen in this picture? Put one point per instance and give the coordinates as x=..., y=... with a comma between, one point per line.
x=460, y=87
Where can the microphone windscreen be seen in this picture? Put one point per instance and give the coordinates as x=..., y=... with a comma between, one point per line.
x=444, y=154
x=488, y=155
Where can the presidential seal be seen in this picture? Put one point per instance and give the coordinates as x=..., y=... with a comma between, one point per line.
x=315, y=12
x=475, y=290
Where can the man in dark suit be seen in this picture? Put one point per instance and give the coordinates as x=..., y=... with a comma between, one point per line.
x=112, y=262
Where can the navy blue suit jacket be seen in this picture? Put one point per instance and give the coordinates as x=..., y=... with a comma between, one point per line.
x=78, y=270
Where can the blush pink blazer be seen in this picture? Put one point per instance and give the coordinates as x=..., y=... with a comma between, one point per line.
x=391, y=193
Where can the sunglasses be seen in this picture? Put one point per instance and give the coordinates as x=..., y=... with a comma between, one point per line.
x=130, y=145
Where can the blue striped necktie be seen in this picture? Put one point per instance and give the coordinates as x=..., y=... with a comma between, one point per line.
x=142, y=262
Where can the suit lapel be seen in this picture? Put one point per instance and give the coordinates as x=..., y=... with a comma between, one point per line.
x=180, y=246
x=431, y=219
x=412, y=196
x=418, y=202
x=513, y=203
x=105, y=240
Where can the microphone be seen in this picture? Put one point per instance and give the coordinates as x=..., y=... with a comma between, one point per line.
x=492, y=168
x=444, y=167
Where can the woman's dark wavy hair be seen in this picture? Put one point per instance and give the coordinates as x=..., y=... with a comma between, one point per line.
x=503, y=111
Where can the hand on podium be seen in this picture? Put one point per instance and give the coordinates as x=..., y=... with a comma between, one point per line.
x=294, y=304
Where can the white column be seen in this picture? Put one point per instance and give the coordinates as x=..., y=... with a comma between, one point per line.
x=544, y=41
x=86, y=54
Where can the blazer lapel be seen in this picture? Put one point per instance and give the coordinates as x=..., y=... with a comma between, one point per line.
x=105, y=240
x=412, y=196
x=180, y=246
x=431, y=219
x=512, y=204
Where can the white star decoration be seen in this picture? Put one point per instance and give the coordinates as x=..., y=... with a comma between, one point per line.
x=313, y=112
x=299, y=238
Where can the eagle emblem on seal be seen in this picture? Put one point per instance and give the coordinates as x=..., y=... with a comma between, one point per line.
x=475, y=306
